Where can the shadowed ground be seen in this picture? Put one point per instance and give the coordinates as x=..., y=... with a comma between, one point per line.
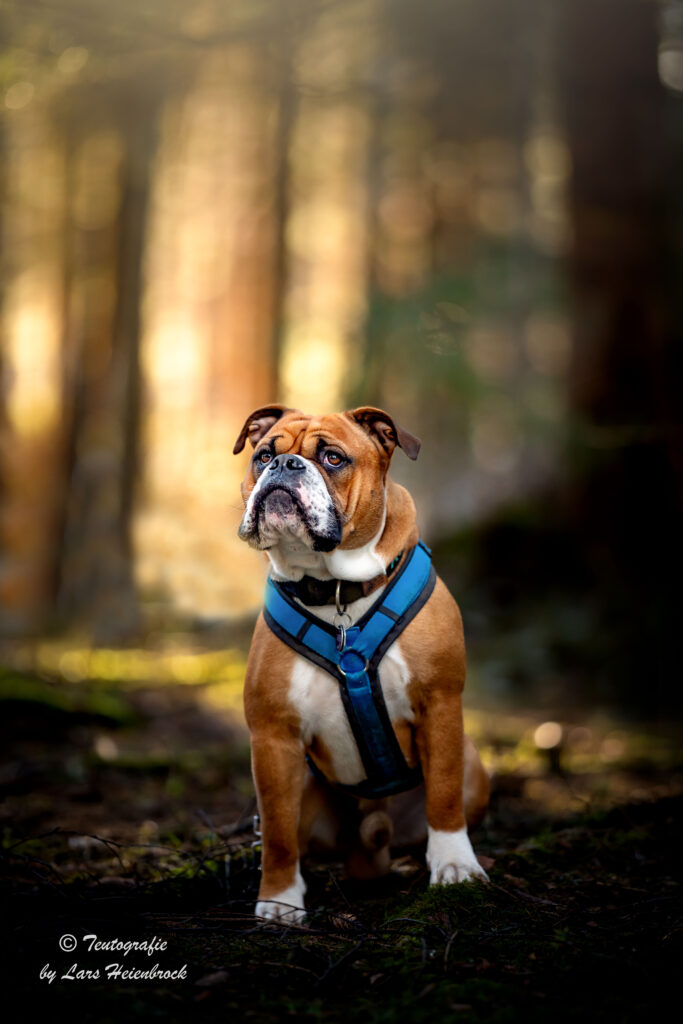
x=126, y=815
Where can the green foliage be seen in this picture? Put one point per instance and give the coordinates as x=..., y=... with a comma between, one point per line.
x=18, y=688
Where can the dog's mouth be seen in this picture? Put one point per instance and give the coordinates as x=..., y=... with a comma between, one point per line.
x=279, y=504
x=277, y=513
x=281, y=513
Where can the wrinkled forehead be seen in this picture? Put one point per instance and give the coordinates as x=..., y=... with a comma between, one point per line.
x=296, y=432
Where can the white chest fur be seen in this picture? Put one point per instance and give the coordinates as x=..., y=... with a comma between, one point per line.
x=316, y=697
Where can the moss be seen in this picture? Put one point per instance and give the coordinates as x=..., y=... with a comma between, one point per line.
x=18, y=689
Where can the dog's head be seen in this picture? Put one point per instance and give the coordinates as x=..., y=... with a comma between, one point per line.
x=316, y=487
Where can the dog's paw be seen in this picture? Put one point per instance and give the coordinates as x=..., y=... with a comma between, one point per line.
x=450, y=874
x=271, y=910
x=451, y=859
x=286, y=906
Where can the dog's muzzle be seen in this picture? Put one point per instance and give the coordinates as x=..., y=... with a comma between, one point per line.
x=291, y=496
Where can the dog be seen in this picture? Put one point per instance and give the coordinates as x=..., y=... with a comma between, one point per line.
x=342, y=543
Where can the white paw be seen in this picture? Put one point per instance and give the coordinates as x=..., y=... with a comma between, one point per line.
x=286, y=906
x=451, y=859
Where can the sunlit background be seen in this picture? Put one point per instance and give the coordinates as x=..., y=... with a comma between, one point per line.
x=468, y=213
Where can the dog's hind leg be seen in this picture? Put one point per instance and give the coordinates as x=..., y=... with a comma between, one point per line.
x=476, y=787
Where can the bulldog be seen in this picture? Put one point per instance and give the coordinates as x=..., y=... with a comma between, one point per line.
x=339, y=534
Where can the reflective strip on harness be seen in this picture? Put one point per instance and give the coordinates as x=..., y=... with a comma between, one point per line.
x=355, y=668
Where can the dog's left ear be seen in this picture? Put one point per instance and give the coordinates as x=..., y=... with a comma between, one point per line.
x=257, y=424
x=381, y=426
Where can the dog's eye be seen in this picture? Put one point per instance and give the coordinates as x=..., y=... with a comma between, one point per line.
x=264, y=457
x=333, y=459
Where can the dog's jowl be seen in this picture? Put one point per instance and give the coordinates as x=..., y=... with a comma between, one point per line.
x=357, y=665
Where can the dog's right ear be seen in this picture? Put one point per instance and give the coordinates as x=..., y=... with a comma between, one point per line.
x=257, y=424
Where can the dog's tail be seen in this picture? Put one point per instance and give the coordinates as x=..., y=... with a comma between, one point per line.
x=371, y=857
x=376, y=831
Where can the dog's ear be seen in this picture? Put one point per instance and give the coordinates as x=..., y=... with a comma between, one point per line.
x=257, y=424
x=380, y=424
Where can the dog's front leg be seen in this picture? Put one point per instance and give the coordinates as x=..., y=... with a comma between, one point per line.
x=278, y=767
x=440, y=739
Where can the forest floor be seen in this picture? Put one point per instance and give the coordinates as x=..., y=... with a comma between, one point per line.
x=126, y=804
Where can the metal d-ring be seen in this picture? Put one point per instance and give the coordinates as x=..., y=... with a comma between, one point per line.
x=341, y=608
x=341, y=614
x=366, y=668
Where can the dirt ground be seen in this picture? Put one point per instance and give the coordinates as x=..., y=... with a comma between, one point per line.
x=126, y=815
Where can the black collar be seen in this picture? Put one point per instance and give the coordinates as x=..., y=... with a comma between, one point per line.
x=311, y=591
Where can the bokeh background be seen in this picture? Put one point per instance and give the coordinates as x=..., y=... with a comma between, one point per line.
x=470, y=213
x=467, y=213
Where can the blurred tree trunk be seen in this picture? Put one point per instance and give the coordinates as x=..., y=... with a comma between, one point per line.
x=108, y=221
x=31, y=436
x=625, y=388
x=287, y=111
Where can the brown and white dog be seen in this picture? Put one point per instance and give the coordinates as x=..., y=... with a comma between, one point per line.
x=319, y=502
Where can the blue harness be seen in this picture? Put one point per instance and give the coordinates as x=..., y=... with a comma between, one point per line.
x=352, y=656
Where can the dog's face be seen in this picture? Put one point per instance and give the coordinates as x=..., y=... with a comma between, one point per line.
x=317, y=482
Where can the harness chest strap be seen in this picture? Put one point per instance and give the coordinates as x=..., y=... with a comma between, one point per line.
x=355, y=667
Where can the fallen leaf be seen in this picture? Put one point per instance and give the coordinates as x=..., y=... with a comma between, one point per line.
x=209, y=980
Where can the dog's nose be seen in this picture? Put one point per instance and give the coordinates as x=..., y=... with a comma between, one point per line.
x=285, y=464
